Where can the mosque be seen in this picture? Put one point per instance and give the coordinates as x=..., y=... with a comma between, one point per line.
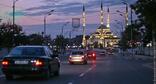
x=102, y=37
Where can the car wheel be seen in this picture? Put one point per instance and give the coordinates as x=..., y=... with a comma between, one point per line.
x=71, y=63
x=57, y=73
x=47, y=74
x=9, y=77
x=85, y=62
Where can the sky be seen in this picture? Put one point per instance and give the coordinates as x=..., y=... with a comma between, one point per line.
x=30, y=14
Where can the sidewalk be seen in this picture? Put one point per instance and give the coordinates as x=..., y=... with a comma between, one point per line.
x=146, y=59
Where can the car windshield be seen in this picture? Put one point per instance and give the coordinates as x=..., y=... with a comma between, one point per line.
x=77, y=53
x=27, y=51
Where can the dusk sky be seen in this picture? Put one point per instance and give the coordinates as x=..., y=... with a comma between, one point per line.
x=30, y=13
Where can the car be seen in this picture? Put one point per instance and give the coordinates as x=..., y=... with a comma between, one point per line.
x=77, y=57
x=91, y=55
x=30, y=61
x=103, y=53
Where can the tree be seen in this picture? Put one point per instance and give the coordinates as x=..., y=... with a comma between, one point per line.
x=35, y=39
x=145, y=9
x=60, y=42
x=9, y=34
x=130, y=36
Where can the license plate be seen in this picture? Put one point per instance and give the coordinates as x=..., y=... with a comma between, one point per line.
x=21, y=62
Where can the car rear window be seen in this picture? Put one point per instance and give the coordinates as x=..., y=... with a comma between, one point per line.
x=28, y=51
x=77, y=53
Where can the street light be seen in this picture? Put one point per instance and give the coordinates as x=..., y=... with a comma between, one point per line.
x=45, y=17
x=120, y=23
x=124, y=14
x=62, y=30
x=125, y=17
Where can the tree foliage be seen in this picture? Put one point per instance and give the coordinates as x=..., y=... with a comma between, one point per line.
x=35, y=39
x=145, y=9
x=60, y=42
x=130, y=36
x=9, y=34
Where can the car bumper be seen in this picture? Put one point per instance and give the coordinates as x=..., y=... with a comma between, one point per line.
x=91, y=57
x=24, y=71
x=77, y=61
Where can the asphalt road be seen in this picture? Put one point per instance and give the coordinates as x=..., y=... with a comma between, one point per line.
x=114, y=69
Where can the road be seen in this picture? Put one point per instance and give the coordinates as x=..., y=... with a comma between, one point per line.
x=111, y=69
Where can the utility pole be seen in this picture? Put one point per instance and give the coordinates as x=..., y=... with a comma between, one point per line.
x=13, y=38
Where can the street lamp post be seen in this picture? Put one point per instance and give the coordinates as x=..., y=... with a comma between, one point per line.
x=120, y=23
x=124, y=14
x=125, y=17
x=62, y=30
x=14, y=3
x=122, y=31
x=45, y=17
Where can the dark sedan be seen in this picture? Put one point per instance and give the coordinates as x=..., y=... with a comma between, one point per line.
x=30, y=61
x=91, y=55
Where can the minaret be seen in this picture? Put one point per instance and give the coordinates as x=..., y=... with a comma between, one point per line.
x=108, y=18
x=102, y=14
x=84, y=27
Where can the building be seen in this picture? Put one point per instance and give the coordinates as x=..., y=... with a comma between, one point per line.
x=103, y=37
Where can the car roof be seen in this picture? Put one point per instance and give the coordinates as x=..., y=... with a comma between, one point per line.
x=32, y=46
x=77, y=50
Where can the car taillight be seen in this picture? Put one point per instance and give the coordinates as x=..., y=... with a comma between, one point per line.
x=38, y=63
x=83, y=57
x=5, y=62
x=70, y=57
x=93, y=54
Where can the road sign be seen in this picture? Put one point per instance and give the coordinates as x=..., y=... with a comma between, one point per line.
x=75, y=23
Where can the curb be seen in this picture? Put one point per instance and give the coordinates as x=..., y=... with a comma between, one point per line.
x=138, y=57
x=148, y=65
x=142, y=57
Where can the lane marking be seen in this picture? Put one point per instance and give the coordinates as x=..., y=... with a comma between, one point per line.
x=1, y=76
x=82, y=74
x=70, y=83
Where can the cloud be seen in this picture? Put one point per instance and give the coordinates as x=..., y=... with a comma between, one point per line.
x=17, y=13
x=70, y=7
